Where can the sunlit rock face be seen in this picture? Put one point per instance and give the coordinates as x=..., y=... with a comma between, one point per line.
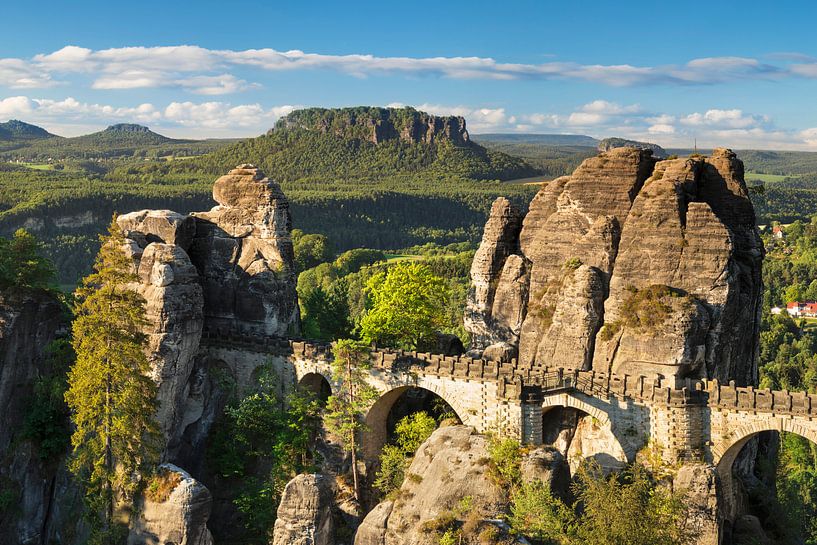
x=229, y=269
x=243, y=252
x=629, y=265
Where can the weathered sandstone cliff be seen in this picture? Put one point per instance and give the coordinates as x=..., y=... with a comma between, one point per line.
x=41, y=504
x=629, y=266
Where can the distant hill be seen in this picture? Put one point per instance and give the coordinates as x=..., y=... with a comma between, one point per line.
x=15, y=129
x=121, y=141
x=610, y=143
x=541, y=139
x=124, y=134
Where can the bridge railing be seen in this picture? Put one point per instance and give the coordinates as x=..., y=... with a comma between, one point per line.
x=512, y=380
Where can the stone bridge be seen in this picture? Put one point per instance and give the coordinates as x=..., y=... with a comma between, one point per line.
x=695, y=420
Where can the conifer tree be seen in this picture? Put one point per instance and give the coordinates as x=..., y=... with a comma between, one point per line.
x=111, y=397
x=345, y=410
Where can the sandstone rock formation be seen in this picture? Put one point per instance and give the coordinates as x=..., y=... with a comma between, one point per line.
x=305, y=512
x=228, y=269
x=449, y=466
x=44, y=504
x=627, y=266
x=243, y=252
x=699, y=485
x=181, y=518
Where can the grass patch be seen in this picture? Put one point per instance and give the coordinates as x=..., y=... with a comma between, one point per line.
x=162, y=485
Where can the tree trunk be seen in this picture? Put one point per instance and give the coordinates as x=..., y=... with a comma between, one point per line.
x=354, y=429
x=108, y=453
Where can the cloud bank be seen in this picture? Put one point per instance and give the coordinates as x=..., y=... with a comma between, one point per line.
x=207, y=71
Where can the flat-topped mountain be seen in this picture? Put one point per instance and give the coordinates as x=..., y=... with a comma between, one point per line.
x=368, y=143
x=611, y=143
x=125, y=133
x=379, y=124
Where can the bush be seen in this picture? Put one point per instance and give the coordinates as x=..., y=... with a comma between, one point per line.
x=505, y=460
x=162, y=485
x=645, y=308
x=410, y=432
x=535, y=513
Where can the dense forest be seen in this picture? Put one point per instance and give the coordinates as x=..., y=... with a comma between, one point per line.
x=367, y=177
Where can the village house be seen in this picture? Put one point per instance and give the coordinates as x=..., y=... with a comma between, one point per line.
x=799, y=309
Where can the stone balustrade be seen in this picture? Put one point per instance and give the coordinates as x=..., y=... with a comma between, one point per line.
x=512, y=379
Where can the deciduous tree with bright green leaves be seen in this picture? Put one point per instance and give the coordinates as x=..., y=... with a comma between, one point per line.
x=346, y=408
x=111, y=397
x=406, y=307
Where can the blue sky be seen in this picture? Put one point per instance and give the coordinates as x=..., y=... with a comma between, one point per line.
x=738, y=74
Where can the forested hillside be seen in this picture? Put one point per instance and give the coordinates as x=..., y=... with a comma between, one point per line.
x=369, y=177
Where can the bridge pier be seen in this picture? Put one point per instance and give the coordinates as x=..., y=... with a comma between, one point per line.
x=532, y=419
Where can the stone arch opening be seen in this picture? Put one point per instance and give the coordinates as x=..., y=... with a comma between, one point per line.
x=581, y=432
x=742, y=479
x=396, y=404
x=318, y=385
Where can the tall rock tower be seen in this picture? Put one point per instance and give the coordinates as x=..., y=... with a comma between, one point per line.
x=629, y=266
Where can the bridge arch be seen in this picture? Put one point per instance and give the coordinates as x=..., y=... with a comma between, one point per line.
x=726, y=451
x=318, y=384
x=375, y=434
x=604, y=429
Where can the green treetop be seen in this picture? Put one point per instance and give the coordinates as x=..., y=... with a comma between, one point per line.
x=22, y=264
x=406, y=307
x=111, y=397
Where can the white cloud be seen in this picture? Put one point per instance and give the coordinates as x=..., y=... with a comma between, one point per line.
x=733, y=119
x=164, y=66
x=70, y=116
x=661, y=128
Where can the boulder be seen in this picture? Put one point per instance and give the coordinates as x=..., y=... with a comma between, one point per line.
x=305, y=512
x=146, y=226
x=449, y=466
x=179, y=518
x=699, y=485
x=548, y=465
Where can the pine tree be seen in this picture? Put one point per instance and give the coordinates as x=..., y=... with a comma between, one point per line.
x=345, y=410
x=111, y=397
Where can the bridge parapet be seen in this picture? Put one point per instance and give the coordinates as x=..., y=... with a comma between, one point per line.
x=748, y=398
x=424, y=363
x=512, y=381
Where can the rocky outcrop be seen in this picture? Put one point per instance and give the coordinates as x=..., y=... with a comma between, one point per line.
x=626, y=266
x=495, y=317
x=699, y=485
x=305, y=512
x=378, y=125
x=179, y=518
x=170, y=285
x=448, y=467
x=243, y=252
x=41, y=503
x=228, y=269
